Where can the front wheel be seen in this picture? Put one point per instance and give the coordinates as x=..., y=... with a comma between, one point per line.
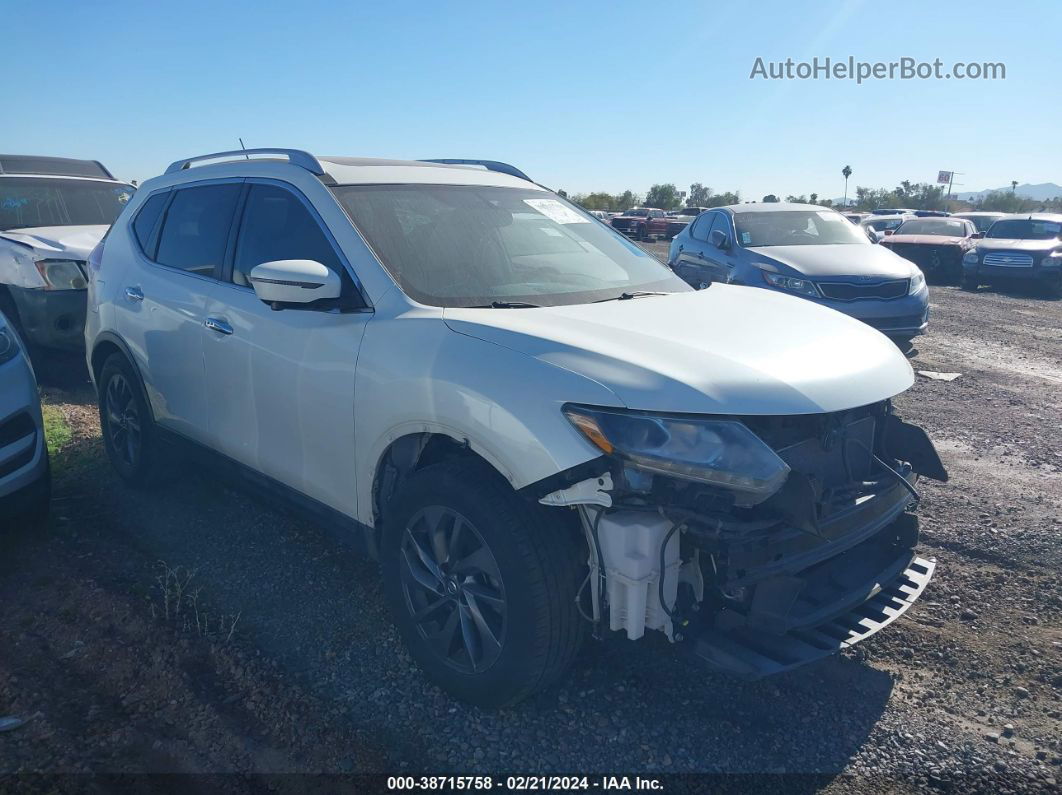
x=482, y=583
x=970, y=284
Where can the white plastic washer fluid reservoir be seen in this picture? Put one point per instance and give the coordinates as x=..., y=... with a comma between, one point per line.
x=630, y=545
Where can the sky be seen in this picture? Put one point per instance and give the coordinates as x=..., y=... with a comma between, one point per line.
x=607, y=95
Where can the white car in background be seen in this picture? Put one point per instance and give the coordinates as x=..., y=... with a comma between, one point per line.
x=877, y=227
x=25, y=482
x=539, y=429
x=53, y=211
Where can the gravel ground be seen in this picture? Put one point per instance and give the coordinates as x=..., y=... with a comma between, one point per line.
x=292, y=666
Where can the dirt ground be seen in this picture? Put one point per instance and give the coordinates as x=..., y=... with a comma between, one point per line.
x=286, y=662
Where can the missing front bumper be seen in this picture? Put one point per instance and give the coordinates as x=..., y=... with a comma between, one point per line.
x=752, y=654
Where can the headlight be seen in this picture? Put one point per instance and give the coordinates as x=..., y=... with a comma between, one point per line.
x=970, y=257
x=8, y=346
x=918, y=281
x=722, y=453
x=61, y=274
x=1055, y=254
x=791, y=283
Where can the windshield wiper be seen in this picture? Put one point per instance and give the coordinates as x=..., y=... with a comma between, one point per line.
x=630, y=295
x=506, y=305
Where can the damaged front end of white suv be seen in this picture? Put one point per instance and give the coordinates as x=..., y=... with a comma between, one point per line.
x=762, y=542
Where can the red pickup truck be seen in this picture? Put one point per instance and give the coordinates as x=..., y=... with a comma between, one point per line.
x=642, y=223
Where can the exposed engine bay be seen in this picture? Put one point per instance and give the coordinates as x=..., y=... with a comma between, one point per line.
x=757, y=583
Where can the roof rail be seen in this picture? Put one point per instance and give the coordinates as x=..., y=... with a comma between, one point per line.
x=490, y=165
x=297, y=157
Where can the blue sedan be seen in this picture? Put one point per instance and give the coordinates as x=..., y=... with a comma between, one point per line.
x=808, y=251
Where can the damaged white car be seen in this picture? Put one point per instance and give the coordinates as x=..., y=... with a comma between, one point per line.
x=53, y=211
x=540, y=430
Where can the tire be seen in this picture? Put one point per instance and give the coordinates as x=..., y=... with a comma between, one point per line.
x=130, y=436
x=970, y=284
x=905, y=344
x=1053, y=287
x=493, y=578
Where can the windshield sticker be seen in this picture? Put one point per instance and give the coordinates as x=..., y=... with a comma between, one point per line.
x=555, y=211
x=746, y=238
x=549, y=230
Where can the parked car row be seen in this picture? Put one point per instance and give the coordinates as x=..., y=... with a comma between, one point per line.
x=977, y=247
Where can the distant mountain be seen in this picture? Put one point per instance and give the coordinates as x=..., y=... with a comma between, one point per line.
x=1041, y=192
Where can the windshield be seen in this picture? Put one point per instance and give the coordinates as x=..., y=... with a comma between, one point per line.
x=934, y=226
x=885, y=223
x=641, y=213
x=981, y=222
x=466, y=245
x=36, y=201
x=1025, y=229
x=796, y=228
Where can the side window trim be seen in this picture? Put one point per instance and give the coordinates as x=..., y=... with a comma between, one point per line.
x=329, y=237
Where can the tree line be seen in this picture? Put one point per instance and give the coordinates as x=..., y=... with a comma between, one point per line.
x=663, y=195
x=913, y=195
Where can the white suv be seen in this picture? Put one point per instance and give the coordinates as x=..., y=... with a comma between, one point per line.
x=539, y=430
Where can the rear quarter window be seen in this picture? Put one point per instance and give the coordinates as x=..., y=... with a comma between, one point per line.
x=146, y=219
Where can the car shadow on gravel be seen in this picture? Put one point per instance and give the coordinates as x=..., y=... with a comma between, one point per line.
x=314, y=608
x=1019, y=290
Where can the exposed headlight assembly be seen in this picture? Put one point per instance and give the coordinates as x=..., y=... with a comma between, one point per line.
x=791, y=283
x=970, y=257
x=918, y=281
x=61, y=274
x=722, y=453
x=8, y=346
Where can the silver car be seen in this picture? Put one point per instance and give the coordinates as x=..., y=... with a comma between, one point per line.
x=25, y=480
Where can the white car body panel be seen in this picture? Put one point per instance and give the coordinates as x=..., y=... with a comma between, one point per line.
x=724, y=350
x=20, y=248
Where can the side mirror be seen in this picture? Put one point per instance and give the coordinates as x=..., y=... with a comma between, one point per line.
x=718, y=239
x=294, y=281
x=977, y=235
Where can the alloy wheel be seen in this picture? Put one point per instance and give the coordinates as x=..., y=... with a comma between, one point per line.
x=453, y=589
x=123, y=420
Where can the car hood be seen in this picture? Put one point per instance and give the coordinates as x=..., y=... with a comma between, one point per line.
x=1014, y=244
x=75, y=242
x=925, y=240
x=840, y=260
x=724, y=350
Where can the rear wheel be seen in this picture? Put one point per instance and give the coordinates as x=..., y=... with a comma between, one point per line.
x=481, y=583
x=129, y=433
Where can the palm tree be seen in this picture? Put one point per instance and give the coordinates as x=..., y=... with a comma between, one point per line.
x=846, y=172
x=1013, y=186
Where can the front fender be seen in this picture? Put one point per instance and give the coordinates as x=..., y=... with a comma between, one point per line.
x=416, y=375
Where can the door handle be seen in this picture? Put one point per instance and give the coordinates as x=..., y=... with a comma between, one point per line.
x=215, y=324
x=134, y=294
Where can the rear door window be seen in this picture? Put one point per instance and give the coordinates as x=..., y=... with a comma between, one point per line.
x=195, y=231
x=277, y=225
